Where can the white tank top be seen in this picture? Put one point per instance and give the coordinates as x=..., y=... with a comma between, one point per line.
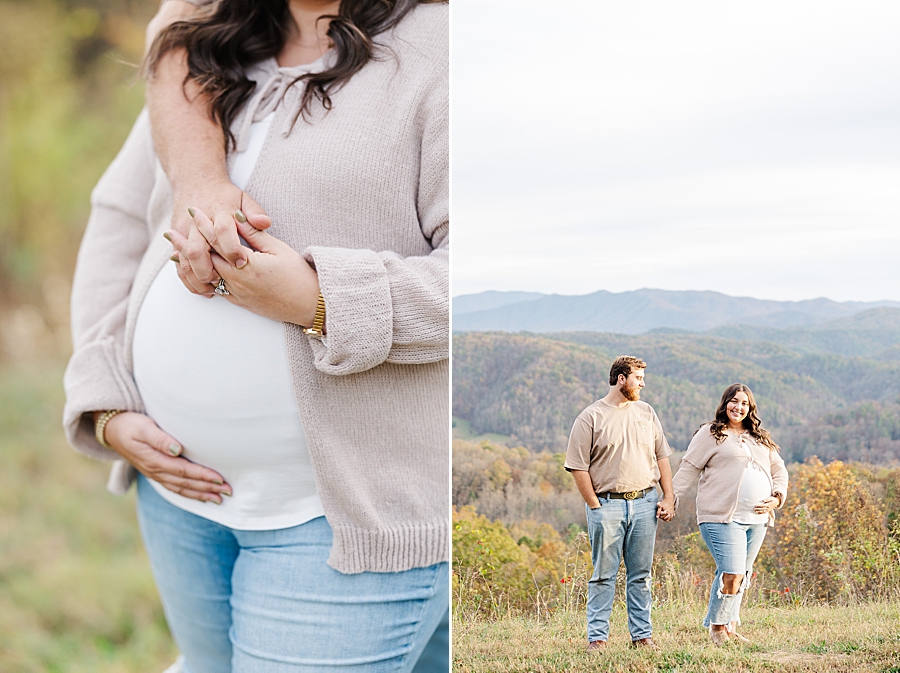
x=756, y=486
x=217, y=378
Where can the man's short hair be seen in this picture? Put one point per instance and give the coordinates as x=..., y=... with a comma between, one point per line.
x=624, y=365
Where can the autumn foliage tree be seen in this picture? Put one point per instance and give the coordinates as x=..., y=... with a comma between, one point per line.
x=515, y=484
x=837, y=539
x=527, y=567
x=832, y=539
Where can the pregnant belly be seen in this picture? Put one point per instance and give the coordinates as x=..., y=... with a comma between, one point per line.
x=217, y=378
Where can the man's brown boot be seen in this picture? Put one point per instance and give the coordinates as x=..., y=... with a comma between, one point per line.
x=596, y=645
x=645, y=642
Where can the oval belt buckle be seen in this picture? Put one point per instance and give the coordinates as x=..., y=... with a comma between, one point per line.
x=631, y=495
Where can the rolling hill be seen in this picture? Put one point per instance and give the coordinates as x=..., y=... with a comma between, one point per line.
x=531, y=387
x=874, y=333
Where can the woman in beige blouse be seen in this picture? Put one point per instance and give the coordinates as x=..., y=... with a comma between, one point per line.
x=742, y=480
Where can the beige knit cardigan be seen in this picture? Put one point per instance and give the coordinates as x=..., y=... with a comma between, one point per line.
x=362, y=192
x=721, y=470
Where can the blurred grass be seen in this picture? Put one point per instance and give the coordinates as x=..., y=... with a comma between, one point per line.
x=76, y=593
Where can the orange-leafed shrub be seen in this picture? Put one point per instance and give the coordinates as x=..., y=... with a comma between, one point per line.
x=831, y=539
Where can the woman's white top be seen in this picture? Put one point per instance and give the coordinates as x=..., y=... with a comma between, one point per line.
x=756, y=486
x=217, y=378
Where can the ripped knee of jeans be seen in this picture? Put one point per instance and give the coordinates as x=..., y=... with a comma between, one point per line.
x=734, y=587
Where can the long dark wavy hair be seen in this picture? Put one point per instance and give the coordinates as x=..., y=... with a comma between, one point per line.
x=751, y=421
x=227, y=36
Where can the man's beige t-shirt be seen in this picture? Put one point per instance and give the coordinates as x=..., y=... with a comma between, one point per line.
x=618, y=446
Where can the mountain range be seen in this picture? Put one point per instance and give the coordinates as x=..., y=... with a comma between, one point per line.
x=643, y=310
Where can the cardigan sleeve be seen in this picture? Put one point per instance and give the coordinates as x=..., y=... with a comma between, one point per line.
x=692, y=464
x=116, y=237
x=381, y=307
x=779, y=476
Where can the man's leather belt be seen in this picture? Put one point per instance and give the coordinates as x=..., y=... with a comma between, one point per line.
x=627, y=495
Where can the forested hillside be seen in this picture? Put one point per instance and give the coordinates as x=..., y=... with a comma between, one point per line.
x=530, y=388
x=874, y=334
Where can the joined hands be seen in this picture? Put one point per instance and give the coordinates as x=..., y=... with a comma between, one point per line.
x=665, y=509
x=268, y=278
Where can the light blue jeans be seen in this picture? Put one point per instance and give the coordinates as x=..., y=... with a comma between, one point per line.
x=621, y=529
x=734, y=547
x=266, y=602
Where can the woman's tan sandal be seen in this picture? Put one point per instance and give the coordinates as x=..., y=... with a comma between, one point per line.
x=719, y=638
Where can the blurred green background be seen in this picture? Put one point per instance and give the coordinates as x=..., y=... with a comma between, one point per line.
x=76, y=592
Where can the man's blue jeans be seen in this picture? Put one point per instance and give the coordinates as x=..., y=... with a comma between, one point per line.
x=266, y=602
x=621, y=529
x=734, y=547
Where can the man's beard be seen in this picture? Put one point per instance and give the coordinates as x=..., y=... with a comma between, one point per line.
x=631, y=394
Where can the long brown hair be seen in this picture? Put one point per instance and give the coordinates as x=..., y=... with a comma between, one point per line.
x=227, y=36
x=751, y=421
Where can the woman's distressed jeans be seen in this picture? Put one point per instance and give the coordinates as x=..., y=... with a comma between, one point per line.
x=734, y=546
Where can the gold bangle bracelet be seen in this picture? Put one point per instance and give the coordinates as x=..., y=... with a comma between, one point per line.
x=318, y=327
x=100, y=426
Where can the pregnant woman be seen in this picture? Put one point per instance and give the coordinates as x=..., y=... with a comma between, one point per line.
x=742, y=480
x=290, y=432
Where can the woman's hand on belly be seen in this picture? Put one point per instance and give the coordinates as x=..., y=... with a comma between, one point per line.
x=277, y=282
x=766, y=505
x=143, y=444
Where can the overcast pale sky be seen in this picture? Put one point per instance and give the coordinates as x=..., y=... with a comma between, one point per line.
x=747, y=148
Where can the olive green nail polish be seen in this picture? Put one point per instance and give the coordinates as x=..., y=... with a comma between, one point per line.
x=239, y=216
x=190, y=211
x=174, y=449
x=167, y=237
x=175, y=258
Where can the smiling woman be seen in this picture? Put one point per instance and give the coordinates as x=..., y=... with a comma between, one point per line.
x=292, y=487
x=742, y=480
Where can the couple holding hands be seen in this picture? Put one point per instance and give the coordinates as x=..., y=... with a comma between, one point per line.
x=617, y=454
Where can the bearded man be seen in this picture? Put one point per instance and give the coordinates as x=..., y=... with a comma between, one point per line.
x=618, y=455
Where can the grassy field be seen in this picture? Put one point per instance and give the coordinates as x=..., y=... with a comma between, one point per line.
x=820, y=639
x=76, y=593
x=462, y=429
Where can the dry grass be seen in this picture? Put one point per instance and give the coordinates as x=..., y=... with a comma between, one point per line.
x=820, y=639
